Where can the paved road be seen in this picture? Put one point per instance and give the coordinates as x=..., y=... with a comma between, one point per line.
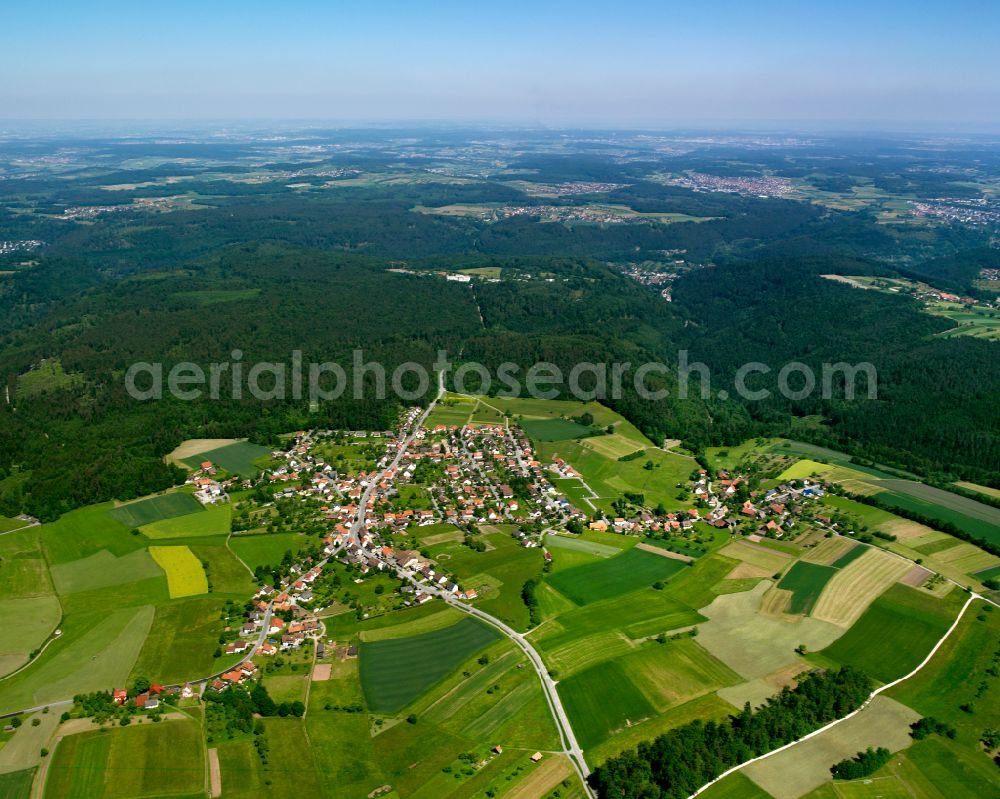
x=570, y=745
x=359, y=521
x=569, y=742
x=260, y=640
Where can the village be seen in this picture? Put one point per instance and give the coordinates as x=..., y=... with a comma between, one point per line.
x=471, y=475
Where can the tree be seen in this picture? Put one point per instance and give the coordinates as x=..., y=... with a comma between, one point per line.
x=861, y=765
x=412, y=718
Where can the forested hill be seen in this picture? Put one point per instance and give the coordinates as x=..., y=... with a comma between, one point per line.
x=937, y=396
x=199, y=249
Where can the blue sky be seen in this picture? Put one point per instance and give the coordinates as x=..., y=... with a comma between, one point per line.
x=880, y=63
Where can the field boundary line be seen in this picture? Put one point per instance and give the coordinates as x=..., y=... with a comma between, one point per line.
x=972, y=598
x=236, y=555
x=19, y=529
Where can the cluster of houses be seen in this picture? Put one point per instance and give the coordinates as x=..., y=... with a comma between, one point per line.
x=208, y=490
x=147, y=700
x=723, y=505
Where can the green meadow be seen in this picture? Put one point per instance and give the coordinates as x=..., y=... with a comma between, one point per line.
x=613, y=695
x=580, y=636
x=226, y=575
x=241, y=458
x=614, y=576
x=498, y=574
x=6, y=525
x=656, y=474
x=102, y=570
x=182, y=639
x=953, y=678
x=896, y=632
x=973, y=517
x=849, y=557
x=95, y=653
x=154, y=509
x=148, y=760
x=806, y=581
x=16, y=784
x=602, y=700
x=554, y=429
x=86, y=531
x=394, y=672
x=266, y=550
x=213, y=520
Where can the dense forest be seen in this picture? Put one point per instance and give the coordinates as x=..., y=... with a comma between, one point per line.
x=256, y=266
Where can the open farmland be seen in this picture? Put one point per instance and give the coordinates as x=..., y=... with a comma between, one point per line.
x=767, y=561
x=736, y=786
x=602, y=700
x=828, y=550
x=196, y=446
x=849, y=556
x=84, y=532
x=853, y=588
x=554, y=429
x=239, y=458
x=28, y=622
x=896, y=632
x=96, y=653
x=614, y=446
x=154, y=509
x=395, y=672
x=102, y=570
x=185, y=576
x=677, y=671
x=646, y=682
x=7, y=525
x=181, y=641
x=210, y=521
x=806, y=766
x=806, y=582
x=147, y=760
x=973, y=517
x=16, y=784
x=952, y=678
x=498, y=574
x=581, y=545
x=224, y=572
x=755, y=645
x=611, y=478
x=265, y=550
x=612, y=577
x=581, y=636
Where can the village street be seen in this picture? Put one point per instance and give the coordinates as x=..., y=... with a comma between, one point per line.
x=570, y=745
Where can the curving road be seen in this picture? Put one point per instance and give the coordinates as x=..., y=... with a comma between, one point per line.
x=571, y=748
x=973, y=596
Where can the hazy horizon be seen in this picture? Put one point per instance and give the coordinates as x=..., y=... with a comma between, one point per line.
x=777, y=65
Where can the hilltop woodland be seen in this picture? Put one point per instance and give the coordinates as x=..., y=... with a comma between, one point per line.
x=266, y=270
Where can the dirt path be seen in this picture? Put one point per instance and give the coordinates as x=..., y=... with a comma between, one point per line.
x=214, y=773
x=664, y=553
x=972, y=598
